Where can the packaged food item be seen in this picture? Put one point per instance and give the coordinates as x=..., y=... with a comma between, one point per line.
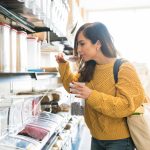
x=64, y=107
x=55, y=107
x=76, y=108
x=4, y=47
x=36, y=107
x=34, y=132
x=21, y=51
x=27, y=110
x=15, y=143
x=46, y=103
x=50, y=126
x=15, y=115
x=77, y=104
x=56, y=96
x=3, y=121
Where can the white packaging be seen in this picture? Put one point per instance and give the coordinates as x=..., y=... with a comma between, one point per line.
x=4, y=47
x=27, y=110
x=32, y=54
x=13, y=49
x=15, y=115
x=39, y=54
x=15, y=143
x=21, y=51
x=3, y=121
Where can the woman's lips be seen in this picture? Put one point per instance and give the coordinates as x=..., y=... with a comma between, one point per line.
x=83, y=57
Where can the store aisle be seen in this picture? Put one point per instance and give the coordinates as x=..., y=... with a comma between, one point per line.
x=85, y=142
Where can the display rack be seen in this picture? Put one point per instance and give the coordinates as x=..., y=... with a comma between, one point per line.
x=27, y=75
x=23, y=23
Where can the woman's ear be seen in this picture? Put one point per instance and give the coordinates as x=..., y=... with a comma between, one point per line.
x=98, y=44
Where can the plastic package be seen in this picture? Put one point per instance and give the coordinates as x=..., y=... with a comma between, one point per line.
x=77, y=104
x=27, y=110
x=3, y=121
x=16, y=143
x=34, y=132
x=33, y=53
x=15, y=115
x=21, y=51
x=13, y=49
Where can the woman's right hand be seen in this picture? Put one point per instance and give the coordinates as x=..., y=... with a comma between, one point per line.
x=60, y=58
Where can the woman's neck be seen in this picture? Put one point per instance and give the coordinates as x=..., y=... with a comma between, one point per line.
x=101, y=59
x=105, y=61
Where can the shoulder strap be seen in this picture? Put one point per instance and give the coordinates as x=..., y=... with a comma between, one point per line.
x=116, y=67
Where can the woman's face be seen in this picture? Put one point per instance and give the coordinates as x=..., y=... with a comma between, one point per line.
x=86, y=49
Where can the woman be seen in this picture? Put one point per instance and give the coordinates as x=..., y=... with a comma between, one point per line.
x=106, y=104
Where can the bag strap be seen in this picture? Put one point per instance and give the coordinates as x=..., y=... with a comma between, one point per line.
x=116, y=67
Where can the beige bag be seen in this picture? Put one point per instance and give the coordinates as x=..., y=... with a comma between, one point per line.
x=139, y=126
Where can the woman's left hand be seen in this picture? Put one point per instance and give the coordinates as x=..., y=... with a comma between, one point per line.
x=80, y=90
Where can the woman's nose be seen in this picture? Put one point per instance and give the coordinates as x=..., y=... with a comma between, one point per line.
x=79, y=50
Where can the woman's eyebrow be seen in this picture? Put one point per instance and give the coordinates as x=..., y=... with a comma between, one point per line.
x=80, y=41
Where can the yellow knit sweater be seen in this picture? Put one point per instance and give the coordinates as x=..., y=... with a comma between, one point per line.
x=105, y=113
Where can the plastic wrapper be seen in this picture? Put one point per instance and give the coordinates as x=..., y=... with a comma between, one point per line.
x=3, y=121
x=34, y=132
x=15, y=116
x=13, y=143
x=77, y=104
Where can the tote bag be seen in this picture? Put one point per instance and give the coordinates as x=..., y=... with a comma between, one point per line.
x=139, y=121
x=139, y=127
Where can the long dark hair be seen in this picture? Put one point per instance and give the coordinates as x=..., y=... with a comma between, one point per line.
x=94, y=32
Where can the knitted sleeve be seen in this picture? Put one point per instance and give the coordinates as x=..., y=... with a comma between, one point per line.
x=129, y=95
x=66, y=75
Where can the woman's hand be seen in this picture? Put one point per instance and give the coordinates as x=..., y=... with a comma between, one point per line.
x=60, y=58
x=80, y=90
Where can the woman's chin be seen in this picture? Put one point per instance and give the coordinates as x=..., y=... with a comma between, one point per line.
x=85, y=59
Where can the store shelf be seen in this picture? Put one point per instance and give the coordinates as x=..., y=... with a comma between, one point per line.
x=27, y=75
x=22, y=21
x=42, y=75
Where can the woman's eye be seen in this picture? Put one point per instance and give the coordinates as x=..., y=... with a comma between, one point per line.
x=81, y=44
